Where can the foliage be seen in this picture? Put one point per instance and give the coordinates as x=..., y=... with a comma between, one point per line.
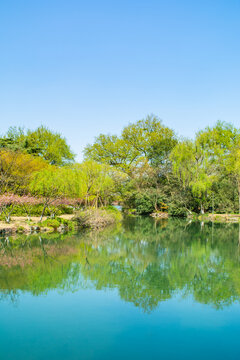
x=148, y=138
x=16, y=169
x=54, y=223
x=42, y=142
x=195, y=169
x=15, y=205
x=97, y=218
x=147, y=201
x=222, y=144
x=146, y=168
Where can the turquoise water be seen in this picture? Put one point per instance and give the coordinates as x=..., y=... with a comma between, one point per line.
x=144, y=290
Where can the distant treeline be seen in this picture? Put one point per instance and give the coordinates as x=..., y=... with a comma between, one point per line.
x=147, y=168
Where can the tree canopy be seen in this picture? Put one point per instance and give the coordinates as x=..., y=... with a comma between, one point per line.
x=147, y=138
x=146, y=168
x=49, y=145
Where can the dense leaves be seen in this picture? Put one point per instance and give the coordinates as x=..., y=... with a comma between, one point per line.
x=188, y=175
x=42, y=142
x=148, y=138
x=146, y=168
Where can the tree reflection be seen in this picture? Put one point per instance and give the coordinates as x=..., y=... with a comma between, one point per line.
x=146, y=261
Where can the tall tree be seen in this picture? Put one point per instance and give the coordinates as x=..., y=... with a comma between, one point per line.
x=146, y=139
x=151, y=139
x=194, y=168
x=222, y=144
x=112, y=150
x=42, y=142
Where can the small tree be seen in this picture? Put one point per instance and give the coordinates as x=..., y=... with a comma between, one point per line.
x=50, y=185
x=93, y=182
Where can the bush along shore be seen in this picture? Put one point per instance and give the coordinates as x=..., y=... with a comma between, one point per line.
x=91, y=218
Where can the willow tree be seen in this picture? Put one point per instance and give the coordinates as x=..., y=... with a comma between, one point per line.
x=233, y=168
x=195, y=169
x=221, y=143
x=94, y=182
x=50, y=184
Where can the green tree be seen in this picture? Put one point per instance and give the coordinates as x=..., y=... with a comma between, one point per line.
x=151, y=139
x=233, y=167
x=222, y=145
x=194, y=167
x=51, y=185
x=42, y=142
x=95, y=183
x=146, y=139
x=112, y=150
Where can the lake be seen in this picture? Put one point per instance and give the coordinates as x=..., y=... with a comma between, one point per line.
x=141, y=290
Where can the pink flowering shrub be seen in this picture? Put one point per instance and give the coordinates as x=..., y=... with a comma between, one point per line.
x=9, y=201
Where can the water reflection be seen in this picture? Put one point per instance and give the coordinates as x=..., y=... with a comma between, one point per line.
x=147, y=261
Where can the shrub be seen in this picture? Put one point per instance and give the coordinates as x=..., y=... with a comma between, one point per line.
x=177, y=210
x=20, y=230
x=97, y=218
x=54, y=223
x=149, y=201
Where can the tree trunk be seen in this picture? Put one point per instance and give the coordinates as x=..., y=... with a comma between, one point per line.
x=202, y=209
x=44, y=208
x=238, y=234
x=238, y=196
x=8, y=216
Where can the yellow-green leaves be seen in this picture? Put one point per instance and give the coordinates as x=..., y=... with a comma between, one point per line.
x=146, y=139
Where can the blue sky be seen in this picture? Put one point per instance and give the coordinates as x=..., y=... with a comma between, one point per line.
x=89, y=67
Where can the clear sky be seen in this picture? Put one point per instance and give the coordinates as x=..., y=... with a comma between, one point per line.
x=85, y=67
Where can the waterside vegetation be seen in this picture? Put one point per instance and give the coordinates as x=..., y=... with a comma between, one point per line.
x=147, y=169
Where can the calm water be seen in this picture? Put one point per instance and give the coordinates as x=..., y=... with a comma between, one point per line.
x=144, y=290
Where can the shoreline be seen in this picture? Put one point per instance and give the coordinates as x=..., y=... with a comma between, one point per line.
x=219, y=218
x=22, y=225
x=94, y=219
x=89, y=218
